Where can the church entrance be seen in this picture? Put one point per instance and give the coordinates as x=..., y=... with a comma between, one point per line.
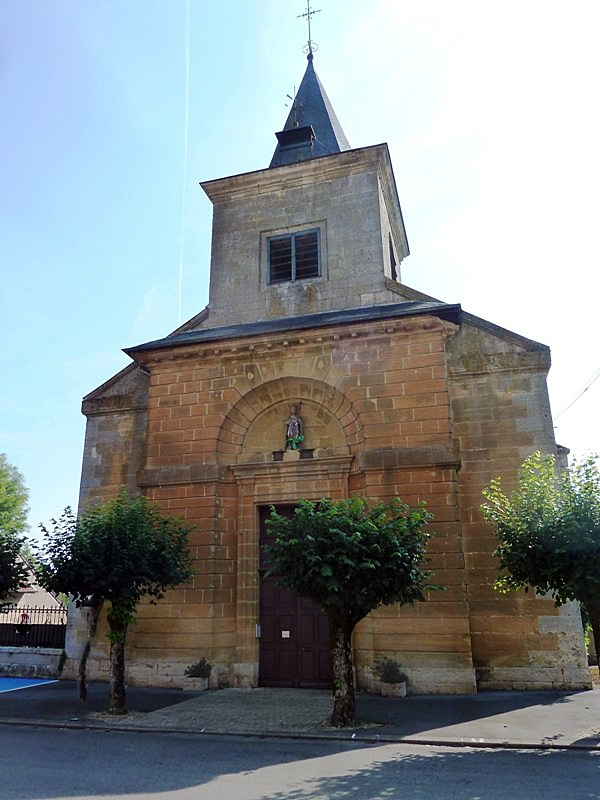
x=294, y=648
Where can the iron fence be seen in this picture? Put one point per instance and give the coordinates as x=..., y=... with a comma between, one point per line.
x=32, y=626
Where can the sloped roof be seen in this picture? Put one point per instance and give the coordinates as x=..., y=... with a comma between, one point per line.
x=446, y=311
x=312, y=113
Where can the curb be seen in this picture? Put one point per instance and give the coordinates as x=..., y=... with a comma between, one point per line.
x=303, y=735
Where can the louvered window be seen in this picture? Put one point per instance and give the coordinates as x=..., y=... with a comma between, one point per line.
x=294, y=256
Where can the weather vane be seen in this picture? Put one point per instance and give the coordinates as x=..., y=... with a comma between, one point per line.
x=310, y=46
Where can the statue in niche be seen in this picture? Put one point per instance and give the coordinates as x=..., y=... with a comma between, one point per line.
x=294, y=435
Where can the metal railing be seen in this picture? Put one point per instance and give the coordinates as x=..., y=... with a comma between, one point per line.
x=32, y=626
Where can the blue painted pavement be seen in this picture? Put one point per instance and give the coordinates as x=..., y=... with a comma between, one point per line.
x=12, y=684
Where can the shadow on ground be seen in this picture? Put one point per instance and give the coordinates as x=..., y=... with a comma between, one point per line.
x=57, y=702
x=86, y=763
x=422, y=713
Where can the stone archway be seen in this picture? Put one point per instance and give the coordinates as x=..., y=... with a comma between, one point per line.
x=254, y=426
x=252, y=432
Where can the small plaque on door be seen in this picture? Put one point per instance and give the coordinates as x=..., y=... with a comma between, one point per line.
x=285, y=634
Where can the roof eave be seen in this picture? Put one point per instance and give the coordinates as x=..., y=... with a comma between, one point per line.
x=445, y=311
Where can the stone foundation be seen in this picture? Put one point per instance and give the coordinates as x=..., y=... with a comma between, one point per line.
x=528, y=679
x=30, y=662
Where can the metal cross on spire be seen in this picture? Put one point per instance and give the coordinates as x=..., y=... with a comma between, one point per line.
x=310, y=46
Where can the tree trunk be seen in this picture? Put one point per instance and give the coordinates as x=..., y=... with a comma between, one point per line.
x=118, y=631
x=594, y=614
x=92, y=624
x=344, y=703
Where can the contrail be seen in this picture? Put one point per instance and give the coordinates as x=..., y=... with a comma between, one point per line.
x=185, y=153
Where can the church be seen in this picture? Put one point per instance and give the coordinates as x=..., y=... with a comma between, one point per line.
x=315, y=372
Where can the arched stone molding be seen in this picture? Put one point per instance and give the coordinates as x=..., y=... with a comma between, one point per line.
x=254, y=427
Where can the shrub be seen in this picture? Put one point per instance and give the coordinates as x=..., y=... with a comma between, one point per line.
x=388, y=671
x=201, y=669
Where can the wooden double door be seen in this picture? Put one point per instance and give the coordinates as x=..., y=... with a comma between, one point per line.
x=294, y=645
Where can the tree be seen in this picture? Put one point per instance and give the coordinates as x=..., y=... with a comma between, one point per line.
x=350, y=557
x=13, y=498
x=549, y=532
x=13, y=524
x=117, y=553
x=13, y=572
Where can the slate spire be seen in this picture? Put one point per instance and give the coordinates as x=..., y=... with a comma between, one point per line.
x=312, y=128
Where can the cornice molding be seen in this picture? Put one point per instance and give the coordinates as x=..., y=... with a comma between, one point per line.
x=470, y=364
x=302, y=173
x=292, y=470
x=271, y=344
x=110, y=405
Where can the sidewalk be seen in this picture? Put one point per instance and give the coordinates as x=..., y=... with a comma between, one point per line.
x=494, y=719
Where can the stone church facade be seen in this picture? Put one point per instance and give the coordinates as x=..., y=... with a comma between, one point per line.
x=399, y=395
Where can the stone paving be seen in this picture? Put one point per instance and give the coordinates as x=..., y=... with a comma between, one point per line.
x=241, y=710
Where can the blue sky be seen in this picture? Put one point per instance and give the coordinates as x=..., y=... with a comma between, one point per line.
x=490, y=112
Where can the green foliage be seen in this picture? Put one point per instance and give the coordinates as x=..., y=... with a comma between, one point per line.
x=350, y=556
x=13, y=499
x=13, y=572
x=30, y=556
x=119, y=552
x=587, y=629
x=389, y=671
x=585, y=616
x=295, y=441
x=549, y=530
x=201, y=669
x=13, y=523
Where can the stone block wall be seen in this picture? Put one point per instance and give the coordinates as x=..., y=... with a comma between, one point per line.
x=30, y=662
x=501, y=415
x=349, y=198
x=409, y=407
x=115, y=437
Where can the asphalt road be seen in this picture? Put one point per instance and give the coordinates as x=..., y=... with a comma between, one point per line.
x=39, y=764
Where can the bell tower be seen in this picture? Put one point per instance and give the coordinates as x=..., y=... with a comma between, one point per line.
x=319, y=230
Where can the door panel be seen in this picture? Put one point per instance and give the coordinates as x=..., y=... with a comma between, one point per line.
x=294, y=643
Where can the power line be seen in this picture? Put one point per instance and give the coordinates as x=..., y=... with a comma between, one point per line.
x=589, y=383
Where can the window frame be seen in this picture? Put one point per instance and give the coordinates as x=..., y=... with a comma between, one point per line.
x=292, y=236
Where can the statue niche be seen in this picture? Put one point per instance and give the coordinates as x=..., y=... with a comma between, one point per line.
x=293, y=426
x=294, y=430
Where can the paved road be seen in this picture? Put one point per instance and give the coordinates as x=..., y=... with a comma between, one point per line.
x=549, y=719
x=56, y=764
